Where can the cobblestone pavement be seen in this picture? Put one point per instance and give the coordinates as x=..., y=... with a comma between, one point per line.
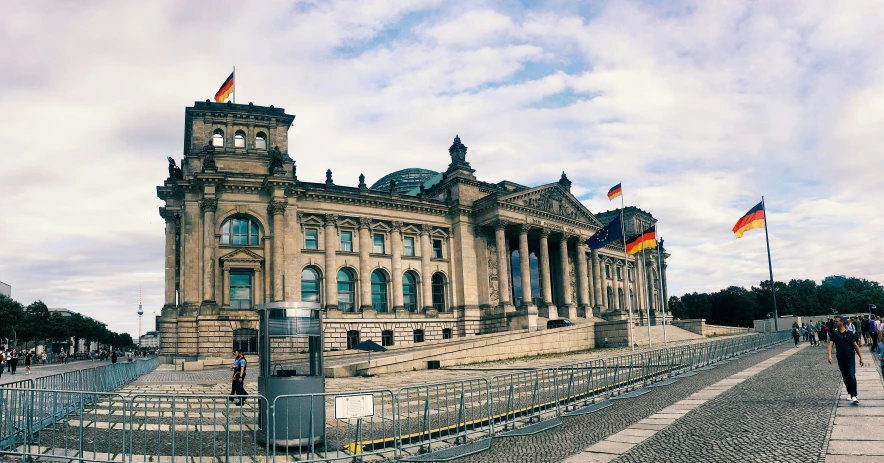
x=579, y=432
x=781, y=414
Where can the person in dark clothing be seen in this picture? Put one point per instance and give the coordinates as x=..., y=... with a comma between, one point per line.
x=239, y=376
x=796, y=335
x=14, y=360
x=114, y=357
x=845, y=345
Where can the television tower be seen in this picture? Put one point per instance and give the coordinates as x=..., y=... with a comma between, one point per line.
x=140, y=312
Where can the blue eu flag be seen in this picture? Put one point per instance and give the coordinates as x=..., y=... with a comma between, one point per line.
x=609, y=234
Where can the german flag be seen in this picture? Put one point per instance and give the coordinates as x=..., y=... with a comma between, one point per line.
x=615, y=191
x=647, y=240
x=753, y=219
x=225, y=90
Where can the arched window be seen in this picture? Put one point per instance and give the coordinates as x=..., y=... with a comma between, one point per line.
x=346, y=291
x=620, y=299
x=378, y=291
x=446, y=333
x=438, y=284
x=610, y=298
x=260, y=141
x=218, y=138
x=310, y=285
x=387, y=338
x=239, y=139
x=418, y=335
x=245, y=341
x=239, y=231
x=409, y=291
x=352, y=338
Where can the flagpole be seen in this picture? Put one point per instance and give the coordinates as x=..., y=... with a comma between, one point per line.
x=773, y=290
x=626, y=293
x=234, y=84
x=660, y=277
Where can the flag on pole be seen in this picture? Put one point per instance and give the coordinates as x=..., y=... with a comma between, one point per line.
x=225, y=90
x=615, y=191
x=753, y=219
x=647, y=240
x=610, y=233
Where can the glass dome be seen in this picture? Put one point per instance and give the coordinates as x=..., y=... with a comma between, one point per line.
x=406, y=180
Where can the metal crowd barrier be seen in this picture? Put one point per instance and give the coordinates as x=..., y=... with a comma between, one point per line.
x=94, y=424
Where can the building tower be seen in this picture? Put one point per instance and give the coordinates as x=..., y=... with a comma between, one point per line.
x=140, y=313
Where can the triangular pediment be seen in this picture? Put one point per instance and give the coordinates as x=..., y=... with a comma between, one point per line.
x=242, y=255
x=552, y=199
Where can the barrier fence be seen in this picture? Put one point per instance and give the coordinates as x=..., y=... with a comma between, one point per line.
x=88, y=422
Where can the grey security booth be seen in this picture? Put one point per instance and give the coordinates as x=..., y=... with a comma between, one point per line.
x=290, y=355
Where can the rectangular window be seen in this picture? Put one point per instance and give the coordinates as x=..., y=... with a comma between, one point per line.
x=387, y=338
x=311, y=238
x=437, y=249
x=618, y=274
x=347, y=241
x=240, y=290
x=409, y=246
x=608, y=272
x=378, y=244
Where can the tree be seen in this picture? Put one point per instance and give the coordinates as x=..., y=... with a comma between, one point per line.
x=12, y=313
x=734, y=306
x=677, y=308
x=57, y=329
x=34, y=324
x=126, y=341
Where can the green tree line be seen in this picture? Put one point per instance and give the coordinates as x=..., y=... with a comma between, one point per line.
x=28, y=326
x=737, y=306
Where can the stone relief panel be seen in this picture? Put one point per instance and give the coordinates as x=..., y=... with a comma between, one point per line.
x=551, y=200
x=493, y=273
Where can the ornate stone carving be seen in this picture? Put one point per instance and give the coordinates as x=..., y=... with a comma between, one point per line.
x=396, y=225
x=174, y=171
x=276, y=159
x=524, y=228
x=501, y=225
x=564, y=182
x=170, y=216
x=209, y=204
x=364, y=222
x=544, y=233
x=277, y=207
x=551, y=200
x=572, y=265
x=362, y=186
x=209, y=157
x=331, y=219
x=328, y=177
x=458, y=152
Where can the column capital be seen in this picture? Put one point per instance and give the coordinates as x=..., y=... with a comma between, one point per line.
x=364, y=222
x=331, y=219
x=524, y=229
x=426, y=229
x=396, y=225
x=277, y=207
x=209, y=204
x=544, y=233
x=169, y=215
x=501, y=224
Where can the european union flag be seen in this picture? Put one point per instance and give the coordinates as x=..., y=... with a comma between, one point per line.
x=609, y=234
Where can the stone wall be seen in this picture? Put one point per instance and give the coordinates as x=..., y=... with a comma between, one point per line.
x=693, y=325
x=718, y=330
x=613, y=333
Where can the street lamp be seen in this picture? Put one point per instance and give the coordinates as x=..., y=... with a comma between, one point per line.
x=871, y=307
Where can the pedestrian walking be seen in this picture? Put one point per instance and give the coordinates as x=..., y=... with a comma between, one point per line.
x=873, y=332
x=845, y=345
x=2, y=361
x=239, y=375
x=43, y=358
x=113, y=356
x=858, y=330
x=8, y=361
x=824, y=332
x=796, y=335
x=28, y=358
x=803, y=332
x=812, y=333
x=864, y=325
x=14, y=359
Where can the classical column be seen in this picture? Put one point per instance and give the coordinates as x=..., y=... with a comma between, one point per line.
x=277, y=209
x=582, y=279
x=596, y=280
x=331, y=266
x=525, y=267
x=547, y=308
x=364, y=264
x=208, y=206
x=171, y=218
x=396, y=255
x=617, y=286
x=225, y=295
x=503, y=274
x=426, y=270
x=607, y=305
x=567, y=304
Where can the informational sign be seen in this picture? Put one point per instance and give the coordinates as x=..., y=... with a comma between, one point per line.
x=354, y=406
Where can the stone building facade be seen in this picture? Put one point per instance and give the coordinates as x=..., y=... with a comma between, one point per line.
x=443, y=260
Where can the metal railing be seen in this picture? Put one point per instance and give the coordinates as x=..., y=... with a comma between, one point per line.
x=94, y=424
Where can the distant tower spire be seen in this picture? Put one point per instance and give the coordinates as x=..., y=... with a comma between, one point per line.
x=140, y=313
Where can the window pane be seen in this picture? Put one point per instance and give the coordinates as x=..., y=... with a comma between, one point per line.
x=240, y=279
x=409, y=246
x=218, y=139
x=310, y=238
x=261, y=141
x=253, y=233
x=347, y=241
x=378, y=244
x=239, y=140
x=437, y=249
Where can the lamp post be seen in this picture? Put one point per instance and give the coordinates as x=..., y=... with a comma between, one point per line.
x=871, y=307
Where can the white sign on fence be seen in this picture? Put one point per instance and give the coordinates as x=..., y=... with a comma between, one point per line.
x=354, y=406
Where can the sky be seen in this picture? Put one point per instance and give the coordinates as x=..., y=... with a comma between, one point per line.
x=698, y=108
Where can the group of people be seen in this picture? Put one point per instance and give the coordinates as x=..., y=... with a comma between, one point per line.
x=9, y=360
x=817, y=333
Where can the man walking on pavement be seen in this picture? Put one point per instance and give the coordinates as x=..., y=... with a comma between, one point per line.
x=845, y=346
